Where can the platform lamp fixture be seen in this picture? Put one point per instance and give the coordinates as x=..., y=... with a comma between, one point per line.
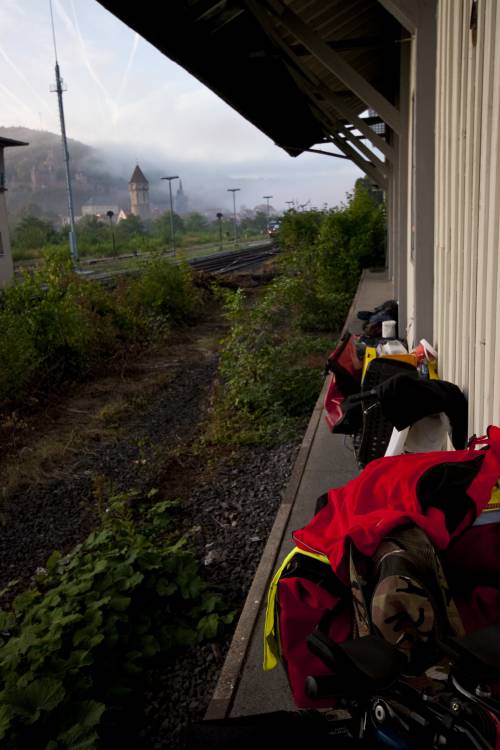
x=267, y=198
x=110, y=215
x=219, y=219
x=172, y=240
x=234, y=191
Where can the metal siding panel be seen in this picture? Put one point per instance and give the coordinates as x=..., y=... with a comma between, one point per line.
x=479, y=405
x=492, y=268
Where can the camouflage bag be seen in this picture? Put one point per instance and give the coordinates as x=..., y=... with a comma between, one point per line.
x=401, y=594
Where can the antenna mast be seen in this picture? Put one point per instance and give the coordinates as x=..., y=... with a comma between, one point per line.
x=59, y=88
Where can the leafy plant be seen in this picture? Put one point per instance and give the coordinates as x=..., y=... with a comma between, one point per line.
x=269, y=361
x=55, y=325
x=72, y=647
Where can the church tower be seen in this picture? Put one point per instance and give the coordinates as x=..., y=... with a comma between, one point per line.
x=181, y=201
x=138, y=188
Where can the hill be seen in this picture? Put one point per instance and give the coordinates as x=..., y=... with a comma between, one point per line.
x=36, y=177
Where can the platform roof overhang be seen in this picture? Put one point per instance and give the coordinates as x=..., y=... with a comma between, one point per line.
x=302, y=71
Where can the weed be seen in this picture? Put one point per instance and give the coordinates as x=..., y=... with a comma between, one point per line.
x=73, y=646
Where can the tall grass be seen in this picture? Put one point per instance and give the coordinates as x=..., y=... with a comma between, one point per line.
x=56, y=325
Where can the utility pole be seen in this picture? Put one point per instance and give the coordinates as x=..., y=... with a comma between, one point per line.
x=219, y=219
x=234, y=191
x=59, y=88
x=267, y=198
x=172, y=241
x=110, y=215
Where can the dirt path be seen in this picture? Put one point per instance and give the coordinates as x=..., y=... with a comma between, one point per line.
x=127, y=430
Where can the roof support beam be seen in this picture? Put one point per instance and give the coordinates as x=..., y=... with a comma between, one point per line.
x=404, y=11
x=338, y=66
x=314, y=151
x=309, y=84
x=360, y=146
x=365, y=166
x=346, y=112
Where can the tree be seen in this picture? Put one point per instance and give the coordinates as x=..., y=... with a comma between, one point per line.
x=195, y=222
x=91, y=231
x=161, y=226
x=130, y=228
x=33, y=233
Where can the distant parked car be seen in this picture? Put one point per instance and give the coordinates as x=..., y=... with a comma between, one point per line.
x=273, y=228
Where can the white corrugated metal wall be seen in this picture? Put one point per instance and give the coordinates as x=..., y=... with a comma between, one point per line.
x=467, y=216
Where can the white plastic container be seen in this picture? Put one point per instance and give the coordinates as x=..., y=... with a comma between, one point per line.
x=388, y=329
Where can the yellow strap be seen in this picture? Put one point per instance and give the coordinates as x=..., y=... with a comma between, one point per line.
x=370, y=353
x=272, y=648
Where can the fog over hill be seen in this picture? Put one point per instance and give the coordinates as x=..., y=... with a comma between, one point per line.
x=36, y=178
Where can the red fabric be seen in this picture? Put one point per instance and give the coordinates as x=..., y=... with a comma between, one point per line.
x=333, y=400
x=472, y=567
x=384, y=496
x=302, y=604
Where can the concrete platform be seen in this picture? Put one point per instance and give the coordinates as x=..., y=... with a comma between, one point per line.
x=324, y=461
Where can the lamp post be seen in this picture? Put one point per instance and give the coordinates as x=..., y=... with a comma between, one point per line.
x=290, y=203
x=219, y=219
x=172, y=241
x=267, y=198
x=234, y=191
x=110, y=215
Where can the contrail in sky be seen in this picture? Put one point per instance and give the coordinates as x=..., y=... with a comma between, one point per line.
x=24, y=78
x=74, y=29
x=15, y=98
x=128, y=67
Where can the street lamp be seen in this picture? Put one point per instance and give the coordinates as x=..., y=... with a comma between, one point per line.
x=110, y=215
x=219, y=219
x=172, y=241
x=234, y=191
x=290, y=203
x=267, y=198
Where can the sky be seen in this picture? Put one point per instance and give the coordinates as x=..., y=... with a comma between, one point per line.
x=134, y=104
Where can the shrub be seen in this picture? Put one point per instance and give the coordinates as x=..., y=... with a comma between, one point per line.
x=56, y=325
x=72, y=647
x=268, y=383
x=166, y=290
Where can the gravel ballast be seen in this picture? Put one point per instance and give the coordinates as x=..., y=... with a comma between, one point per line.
x=227, y=506
x=235, y=512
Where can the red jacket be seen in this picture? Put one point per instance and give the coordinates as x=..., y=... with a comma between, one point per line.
x=441, y=492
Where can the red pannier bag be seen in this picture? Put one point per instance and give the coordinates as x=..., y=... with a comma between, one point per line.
x=305, y=593
x=345, y=379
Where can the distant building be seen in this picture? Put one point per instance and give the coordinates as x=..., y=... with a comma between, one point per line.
x=100, y=210
x=122, y=214
x=181, y=201
x=6, y=265
x=138, y=188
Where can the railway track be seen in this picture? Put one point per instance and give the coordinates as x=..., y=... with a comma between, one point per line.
x=220, y=263
x=235, y=260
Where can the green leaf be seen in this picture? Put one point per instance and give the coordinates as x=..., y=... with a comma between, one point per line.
x=119, y=603
x=40, y=695
x=53, y=561
x=165, y=588
x=208, y=626
x=5, y=719
x=7, y=621
x=88, y=713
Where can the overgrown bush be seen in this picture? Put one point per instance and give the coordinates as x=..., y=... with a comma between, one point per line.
x=268, y=381
x=325, y=254
x=56, y=325
x=73, y=646
x=269, y=366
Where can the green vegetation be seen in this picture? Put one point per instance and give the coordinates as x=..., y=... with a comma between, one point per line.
x=271, y=361
x=73, y=647
x=98, y=238
x=55, y=325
